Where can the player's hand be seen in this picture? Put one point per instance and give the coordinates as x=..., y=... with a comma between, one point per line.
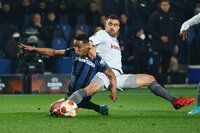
x=113, y=96
x=183, y=34
x=26, y=47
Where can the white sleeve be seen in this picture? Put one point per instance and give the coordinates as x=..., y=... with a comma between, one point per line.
x=194, y=20
x=97, y=38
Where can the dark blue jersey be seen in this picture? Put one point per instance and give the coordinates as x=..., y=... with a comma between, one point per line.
x=84, y=69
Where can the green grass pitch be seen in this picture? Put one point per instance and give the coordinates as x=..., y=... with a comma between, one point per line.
x=136, y=111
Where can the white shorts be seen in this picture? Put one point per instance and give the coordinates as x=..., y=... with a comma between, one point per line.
x=123, y=80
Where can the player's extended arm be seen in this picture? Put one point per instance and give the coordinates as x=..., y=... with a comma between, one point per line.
x=187, y=24
x=44, y=51
x=110, y=74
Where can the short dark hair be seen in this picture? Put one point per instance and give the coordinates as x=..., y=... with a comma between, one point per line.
x=83, y=38
x=113, y=17
x=164, y=1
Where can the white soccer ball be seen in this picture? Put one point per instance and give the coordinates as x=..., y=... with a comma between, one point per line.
x=68, y=109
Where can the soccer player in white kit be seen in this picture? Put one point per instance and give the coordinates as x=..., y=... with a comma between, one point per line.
x=183, y=33
x=107, y=46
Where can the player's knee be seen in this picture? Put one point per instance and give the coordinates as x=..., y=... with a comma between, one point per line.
x=151, y=79
x=92, y=88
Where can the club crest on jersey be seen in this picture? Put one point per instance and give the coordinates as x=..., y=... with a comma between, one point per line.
x=88, y=62
x=102, y=63
x=115, y=47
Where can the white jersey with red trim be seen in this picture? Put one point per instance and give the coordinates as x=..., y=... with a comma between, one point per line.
x=108, y=48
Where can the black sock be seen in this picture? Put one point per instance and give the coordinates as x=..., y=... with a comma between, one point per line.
x=93, y=106
x=160, y=91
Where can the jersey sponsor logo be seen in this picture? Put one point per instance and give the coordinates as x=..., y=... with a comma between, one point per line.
x=88, y=62
x=115, y=47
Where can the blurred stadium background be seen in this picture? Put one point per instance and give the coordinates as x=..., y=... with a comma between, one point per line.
x=54, y=23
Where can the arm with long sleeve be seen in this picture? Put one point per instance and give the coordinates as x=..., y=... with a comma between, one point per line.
x=187, y=24
x=193, y=21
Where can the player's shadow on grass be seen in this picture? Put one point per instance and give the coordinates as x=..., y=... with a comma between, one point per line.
x=137, y=114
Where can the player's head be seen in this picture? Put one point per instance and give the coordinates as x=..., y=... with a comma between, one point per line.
x=165, y=5
x=112, y=25
x=81, y=44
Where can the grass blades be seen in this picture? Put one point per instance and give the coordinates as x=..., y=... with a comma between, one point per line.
x=136, y=111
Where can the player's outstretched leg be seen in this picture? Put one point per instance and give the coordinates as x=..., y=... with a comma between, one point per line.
x=182, y=102
x=177, y=103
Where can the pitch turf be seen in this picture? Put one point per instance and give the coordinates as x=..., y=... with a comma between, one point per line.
x=137, y=111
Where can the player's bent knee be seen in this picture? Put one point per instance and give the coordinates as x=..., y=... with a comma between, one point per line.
x=151, y=78
x=145, y=79
x=92, y=88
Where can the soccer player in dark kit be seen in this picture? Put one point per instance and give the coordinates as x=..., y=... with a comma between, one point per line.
x=83, y=84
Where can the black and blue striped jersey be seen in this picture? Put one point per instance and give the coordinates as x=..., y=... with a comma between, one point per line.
x=84, y=69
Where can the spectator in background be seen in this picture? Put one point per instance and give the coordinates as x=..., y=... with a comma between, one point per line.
x=141, y=51
x=102, y=21
x=23, y=13
x=51, y=24
x=125, y=38
x=128, y=59
x=6, y=14
x=110, y=7
x=126, y=31
x=42, y=8
x=128, y=7
x=62, y=8
x=7, y=25
x=37, y=24
x=52, y=4
x=93, y=15
x=162, y=26
x=146, y=8
x=11, y=50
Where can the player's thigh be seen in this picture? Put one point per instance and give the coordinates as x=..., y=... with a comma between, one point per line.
x=93, y=87
x=126, y=81
x=144, y=79
x=102, y=79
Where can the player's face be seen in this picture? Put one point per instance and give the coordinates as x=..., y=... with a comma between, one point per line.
x=165, y=6
x=81, y=48
x=112, y=27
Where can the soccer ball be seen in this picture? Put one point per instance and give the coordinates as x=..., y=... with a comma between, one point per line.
x=68, y=109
